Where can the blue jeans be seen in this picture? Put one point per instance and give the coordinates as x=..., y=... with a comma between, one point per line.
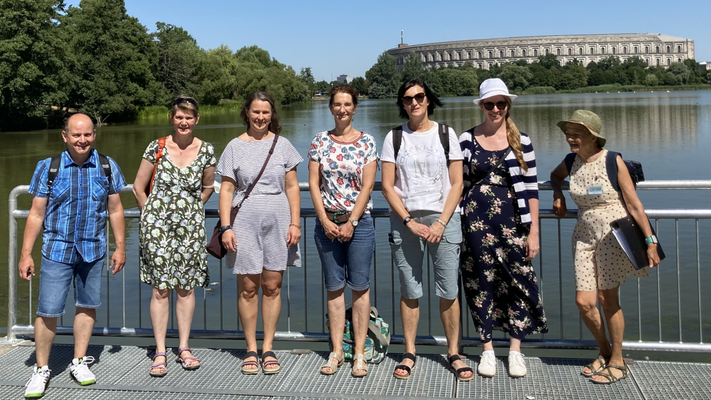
x=57, y=277
x=347, y=262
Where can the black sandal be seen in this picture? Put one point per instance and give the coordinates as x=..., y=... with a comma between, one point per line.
x=458, y=372
x=270, y=367
x=608, y=375
x=408, y=356
x=250, y=371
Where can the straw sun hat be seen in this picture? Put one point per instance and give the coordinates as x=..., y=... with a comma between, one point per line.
x=589, y=120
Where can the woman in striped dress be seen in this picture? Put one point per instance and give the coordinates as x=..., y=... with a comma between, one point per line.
x=500, y=207
x=266, y=231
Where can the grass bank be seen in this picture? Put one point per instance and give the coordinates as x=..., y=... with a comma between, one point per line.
x=155, y=113
x=614, y=89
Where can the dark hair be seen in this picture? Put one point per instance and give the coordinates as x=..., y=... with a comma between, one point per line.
x=261, y=96
x=185, y=103
x=434, y=101
x=347, y=89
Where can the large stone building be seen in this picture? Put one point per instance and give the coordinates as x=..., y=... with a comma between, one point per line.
x=656, y=49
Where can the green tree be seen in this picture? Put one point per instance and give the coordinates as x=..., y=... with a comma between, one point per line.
x=322, y=86
x=549, y=61
x=651, y=80
x=515, y=77
x=31, y=61
x=178, y=60
x=680, y=72
x=308, y=78
x=358, y=84
x=413, y=69
x=574, y=77
x=111, y=58
x=383, y=77
x=456, y=82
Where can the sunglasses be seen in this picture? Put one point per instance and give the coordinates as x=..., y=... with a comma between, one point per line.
x=181, y=100
x=488, y=106
x=419, y=97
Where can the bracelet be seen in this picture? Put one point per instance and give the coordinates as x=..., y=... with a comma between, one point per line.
x=297, y=226
x=441, y=222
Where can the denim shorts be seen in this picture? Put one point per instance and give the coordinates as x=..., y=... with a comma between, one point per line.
x=408, y=250
x=347, y=262
x=57, y=277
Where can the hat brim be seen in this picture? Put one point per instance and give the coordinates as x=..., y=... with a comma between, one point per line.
x=600, y=140
x=495, y=93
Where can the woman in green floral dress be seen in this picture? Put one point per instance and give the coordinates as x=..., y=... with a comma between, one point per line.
x=172, y=226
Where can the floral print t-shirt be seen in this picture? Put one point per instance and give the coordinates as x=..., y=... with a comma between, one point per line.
x=341, y=168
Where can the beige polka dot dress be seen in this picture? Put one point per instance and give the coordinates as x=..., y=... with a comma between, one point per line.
x=600, y=262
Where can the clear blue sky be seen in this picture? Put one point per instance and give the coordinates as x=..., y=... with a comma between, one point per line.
x=346, y=37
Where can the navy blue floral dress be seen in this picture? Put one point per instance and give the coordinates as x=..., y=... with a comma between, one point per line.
x=500, y=286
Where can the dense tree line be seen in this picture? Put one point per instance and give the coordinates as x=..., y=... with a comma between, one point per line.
x=97, y=59
x=546, y=75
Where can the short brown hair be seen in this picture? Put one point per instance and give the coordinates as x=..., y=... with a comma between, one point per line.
x=347, y=89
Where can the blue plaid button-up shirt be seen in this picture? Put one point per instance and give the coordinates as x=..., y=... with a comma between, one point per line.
x=75, y=219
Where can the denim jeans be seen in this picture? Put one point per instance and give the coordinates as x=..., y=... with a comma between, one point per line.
x=347, y=262
x=57, y=277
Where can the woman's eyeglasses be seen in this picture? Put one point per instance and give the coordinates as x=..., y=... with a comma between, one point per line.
x=419, y=97
x=488, y=106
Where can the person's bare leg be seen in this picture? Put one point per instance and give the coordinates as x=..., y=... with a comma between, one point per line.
x=610, y=302
x=449, y=314
x=45, y=330
x=361, y=318
x=160, y=310
x=271, y=306
x=587, y=306
x=84, y=321
x=248, y=304
x=184, y=310
x=410, y=316
x=335, y=302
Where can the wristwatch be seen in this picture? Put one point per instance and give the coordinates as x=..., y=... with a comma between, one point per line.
x=407, y=220
x=224, y=228
x=353, y=222
x=651, y=239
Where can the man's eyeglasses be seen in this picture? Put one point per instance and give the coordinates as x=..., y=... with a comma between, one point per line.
x=488, y=106
x=419, y=97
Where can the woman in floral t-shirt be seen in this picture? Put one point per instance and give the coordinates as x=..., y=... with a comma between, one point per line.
x=342, y=166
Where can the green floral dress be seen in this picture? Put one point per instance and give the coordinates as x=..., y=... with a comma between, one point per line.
x=172, y=227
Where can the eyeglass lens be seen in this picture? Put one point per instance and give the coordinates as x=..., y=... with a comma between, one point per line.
x=499, y=104
x=419, y=97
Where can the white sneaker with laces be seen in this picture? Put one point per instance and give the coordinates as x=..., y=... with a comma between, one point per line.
x=79, y=370
x=487, y=365
x=517, y=365
x=34, y=388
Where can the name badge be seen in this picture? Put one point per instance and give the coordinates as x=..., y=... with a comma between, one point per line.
x=592, y=190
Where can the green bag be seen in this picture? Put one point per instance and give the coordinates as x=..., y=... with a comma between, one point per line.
x=376, y=343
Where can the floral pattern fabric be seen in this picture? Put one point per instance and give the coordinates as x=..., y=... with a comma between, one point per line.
x=341, y=167
x=500, y=285
x=172, y=227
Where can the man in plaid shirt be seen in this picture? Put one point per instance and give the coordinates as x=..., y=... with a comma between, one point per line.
x=73, y=209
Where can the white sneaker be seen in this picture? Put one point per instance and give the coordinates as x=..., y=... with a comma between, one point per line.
x=487, y=365
x=517, y=366
x=34, y=388
x=79, y=369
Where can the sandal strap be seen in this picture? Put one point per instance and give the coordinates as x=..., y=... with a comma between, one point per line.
x=250, y=363
x=404, y=367
x=410, y=356
x=463, y=369
x=160, y=354
x=359, y=362
x=453, y=358
x=622, y=368
x=189, y=358
x=161, y=364
x=252, y=354
x=268, y=354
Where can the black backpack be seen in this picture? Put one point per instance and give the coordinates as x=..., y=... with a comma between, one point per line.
x=443, y=139
x=634, y=167
x=54, y=168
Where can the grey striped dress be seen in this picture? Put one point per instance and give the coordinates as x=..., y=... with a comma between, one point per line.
x=262, y=224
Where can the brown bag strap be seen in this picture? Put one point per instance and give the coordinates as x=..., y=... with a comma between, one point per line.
x=233, y=212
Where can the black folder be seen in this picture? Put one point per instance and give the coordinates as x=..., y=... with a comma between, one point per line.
x=631, y=239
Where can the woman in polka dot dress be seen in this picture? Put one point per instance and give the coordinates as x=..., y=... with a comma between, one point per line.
x=601, y=265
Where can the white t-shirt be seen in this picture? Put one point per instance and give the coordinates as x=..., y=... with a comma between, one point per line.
x=421, y=174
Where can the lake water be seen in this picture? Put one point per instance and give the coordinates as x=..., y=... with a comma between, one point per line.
x=669, y=133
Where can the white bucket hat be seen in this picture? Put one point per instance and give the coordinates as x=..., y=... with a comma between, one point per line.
x=493, y=87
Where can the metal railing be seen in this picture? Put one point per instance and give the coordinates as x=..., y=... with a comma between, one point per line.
x=664, y=326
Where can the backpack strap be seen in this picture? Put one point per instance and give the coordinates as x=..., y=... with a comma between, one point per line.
x=104, y=161
x=397, y=140
x=443, y=139
x=569, y=160
x=53, y=170
x=611, y=164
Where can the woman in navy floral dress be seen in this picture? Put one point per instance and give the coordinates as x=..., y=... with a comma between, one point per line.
x=500, y=207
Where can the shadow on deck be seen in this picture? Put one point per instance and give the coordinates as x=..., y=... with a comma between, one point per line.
x=122, y=373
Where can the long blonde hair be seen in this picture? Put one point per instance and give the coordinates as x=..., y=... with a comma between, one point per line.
x=513, y=135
